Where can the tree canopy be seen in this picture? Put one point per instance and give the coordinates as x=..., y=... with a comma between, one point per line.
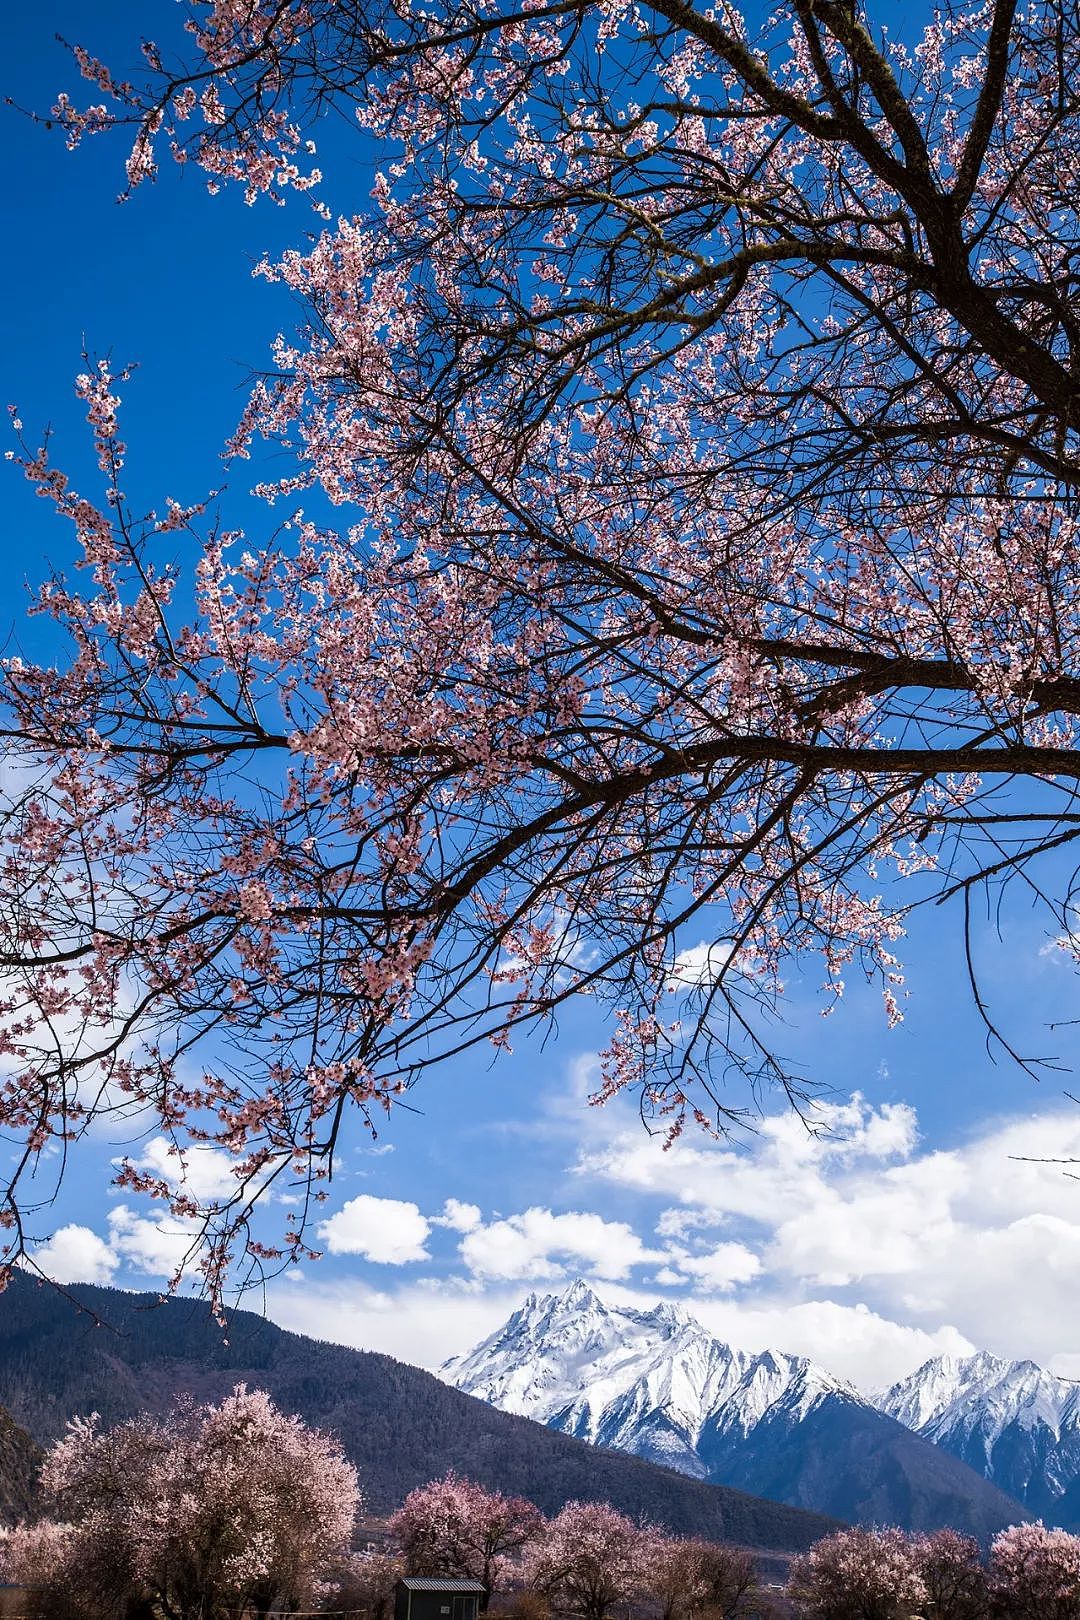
x=699, y=398
x=208, y=1512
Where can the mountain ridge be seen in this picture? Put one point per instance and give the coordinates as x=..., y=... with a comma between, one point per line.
x=658, y=1385
x=1012, y=1421
x=399, y=1424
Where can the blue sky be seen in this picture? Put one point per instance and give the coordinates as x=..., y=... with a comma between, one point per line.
x=911, y=1226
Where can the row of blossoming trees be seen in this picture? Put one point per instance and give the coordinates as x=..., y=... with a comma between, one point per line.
x=1032, y=1573
x=590, y=1559
x=235, y=1511
x=218, y=1512
x=585, y=1561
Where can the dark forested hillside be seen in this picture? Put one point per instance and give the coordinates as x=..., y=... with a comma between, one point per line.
x=19, y=1458
x=124, y=1353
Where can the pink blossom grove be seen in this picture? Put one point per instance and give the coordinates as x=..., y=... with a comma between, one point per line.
x=1031, y=1572
x=697, y=394
x=589, y=1558
x=205, y=1511
x=1035, y=1572
x=455, y=1527
x=687, y=1576
x=858, y=1574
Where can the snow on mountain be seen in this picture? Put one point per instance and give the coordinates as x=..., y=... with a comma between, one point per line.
x=658, y=1384
x=641, y=1381
x=1011, y=1420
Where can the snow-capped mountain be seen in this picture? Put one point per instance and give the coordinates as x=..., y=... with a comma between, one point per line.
x=658, y=1384
x=652, y=1382
x=1010, y=1420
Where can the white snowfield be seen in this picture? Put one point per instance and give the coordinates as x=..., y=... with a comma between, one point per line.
x=607, y=1375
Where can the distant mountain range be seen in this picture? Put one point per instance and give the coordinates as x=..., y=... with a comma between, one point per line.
x=574, y=1398
x=658, y=1385
x=1010, y=1420
x=126, y=1353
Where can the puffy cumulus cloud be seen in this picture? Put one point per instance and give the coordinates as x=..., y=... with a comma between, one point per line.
x=717, y=1269
x=984, y=1237
x=76, y=1254
x=154, y=1245
x=539, y=1243
x=387, y=1231
x=699, y=965
x=150, y=1245
x=459, y=1217
x=766, y=1179
x=856, y=1130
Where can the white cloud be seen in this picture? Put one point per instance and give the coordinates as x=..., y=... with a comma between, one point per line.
x=459, y=1217
x=761, y=1180
x=424, y=1322
x=156, y=1247
x=539, y=1243
x=980, y=1242
x=718, y=1269
x=387, y=1231
x=700, y=965
x=678, y=1223
x=76, y=1254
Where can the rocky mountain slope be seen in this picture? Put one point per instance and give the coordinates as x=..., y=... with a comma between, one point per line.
x=1011, y=1421
x=124, y=1353
x=658, y=1385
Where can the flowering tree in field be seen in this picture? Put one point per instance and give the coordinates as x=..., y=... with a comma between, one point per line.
x=689, y=1576
x=41, y=1557
x=589, y=1558
x=951, y=1569
x=700, y=396
x=211, y=1509
x=1035, y=1574
x=858, y=1575
x=672, y=1575
x=453, y=1526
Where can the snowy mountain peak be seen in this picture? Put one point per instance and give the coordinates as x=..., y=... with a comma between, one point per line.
x=982, y=1390
x=1013, y=1421
x=671, y=1314
x=655, y=1382
x=578, y=1297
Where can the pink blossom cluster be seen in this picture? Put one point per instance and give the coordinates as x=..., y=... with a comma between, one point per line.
x=1032, y=1573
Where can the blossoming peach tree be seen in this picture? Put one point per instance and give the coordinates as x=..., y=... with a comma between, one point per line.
x=453, y=1526
x=226, y=1509
x=698, y=398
